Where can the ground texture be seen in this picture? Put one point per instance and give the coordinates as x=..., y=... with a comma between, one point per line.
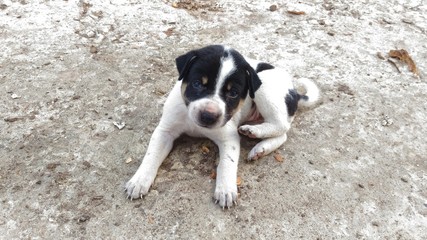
x=73, y=72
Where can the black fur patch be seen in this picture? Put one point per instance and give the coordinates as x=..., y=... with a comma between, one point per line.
x=234, y=90
x=196, y=65
x=263, y=66
x=253, y=80
x=209, y=55
x=291, y=100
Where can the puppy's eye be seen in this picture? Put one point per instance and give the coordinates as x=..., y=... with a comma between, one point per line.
x=232, y=93
x=197, y=85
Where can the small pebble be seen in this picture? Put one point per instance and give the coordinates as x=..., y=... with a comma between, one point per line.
x=273, y=7
x=93, y=49
x=15, y=96
x=83, y=218
x=119, y=125
x=91, y=34
x=129, y=160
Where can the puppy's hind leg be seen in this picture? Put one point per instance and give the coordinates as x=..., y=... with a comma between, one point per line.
x=266, y=146
x=265, y=129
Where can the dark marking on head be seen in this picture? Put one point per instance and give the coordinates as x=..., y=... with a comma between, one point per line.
x=240, y=83
x=209, y=55
x=184, y=62
x=198, y=70
x=291, y=100
x=263, y=66
x=234, y=92
x=252, y=79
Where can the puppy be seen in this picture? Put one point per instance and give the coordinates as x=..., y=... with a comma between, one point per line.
x=220, y=94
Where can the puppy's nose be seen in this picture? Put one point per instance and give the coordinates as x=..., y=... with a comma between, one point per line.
x=208, y=118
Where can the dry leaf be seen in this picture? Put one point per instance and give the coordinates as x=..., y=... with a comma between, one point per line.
x=278, y=157
x=239, y=181
x=169, y=31
x=296, y=12
x=205, y=150
x=403, y=56
x=196, y=5
x=213, y=174
x=150, y=219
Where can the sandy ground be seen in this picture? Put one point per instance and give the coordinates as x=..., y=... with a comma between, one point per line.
x=354, y=167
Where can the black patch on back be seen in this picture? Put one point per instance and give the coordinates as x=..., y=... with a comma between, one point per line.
x=291, y=100
x=263, y=66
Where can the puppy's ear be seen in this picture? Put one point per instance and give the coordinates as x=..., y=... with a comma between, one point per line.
x=184, y=62
x=253, y=81
x=263, y=66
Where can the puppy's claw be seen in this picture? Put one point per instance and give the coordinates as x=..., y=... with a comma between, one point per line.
x=256, y=154
x=226, y=199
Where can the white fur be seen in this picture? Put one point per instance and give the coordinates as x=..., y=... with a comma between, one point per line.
x=270, y=102
x=227, y=67
x=196, y=106
x=313, y=92
x=178, y=119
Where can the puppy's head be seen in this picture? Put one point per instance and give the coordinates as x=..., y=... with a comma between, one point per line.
x=216, y=80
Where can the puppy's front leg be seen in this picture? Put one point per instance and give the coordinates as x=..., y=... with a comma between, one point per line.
x=226, y=186
x=160, y=145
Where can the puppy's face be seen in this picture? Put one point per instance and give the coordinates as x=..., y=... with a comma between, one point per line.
x=216, y=81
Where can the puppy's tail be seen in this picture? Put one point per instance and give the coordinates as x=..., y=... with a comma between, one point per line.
x=312, y=94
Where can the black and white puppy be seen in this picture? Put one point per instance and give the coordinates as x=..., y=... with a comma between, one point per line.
x=219, y=95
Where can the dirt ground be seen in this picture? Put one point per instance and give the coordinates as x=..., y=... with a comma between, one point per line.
x=73, y=72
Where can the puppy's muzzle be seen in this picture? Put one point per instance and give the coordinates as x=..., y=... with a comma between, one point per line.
x=209, y=115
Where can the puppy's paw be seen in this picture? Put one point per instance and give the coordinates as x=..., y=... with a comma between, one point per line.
x=226, y=196
x=256, y=153
x=249, y=131
x=137, y=186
